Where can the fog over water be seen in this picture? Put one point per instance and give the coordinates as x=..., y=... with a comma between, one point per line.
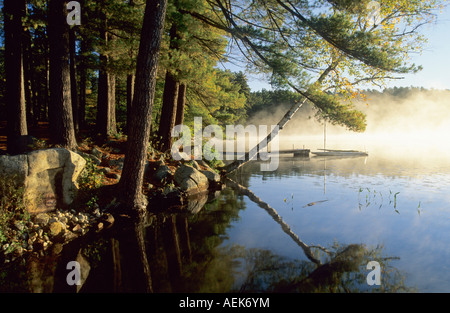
x=416, y=125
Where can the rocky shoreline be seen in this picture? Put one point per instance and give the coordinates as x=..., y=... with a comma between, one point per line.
x=167, y=183
x=45, y=231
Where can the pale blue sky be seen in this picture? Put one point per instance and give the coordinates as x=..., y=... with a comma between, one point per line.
x=435, y=59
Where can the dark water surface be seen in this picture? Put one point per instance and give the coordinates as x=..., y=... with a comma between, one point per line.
x=311, y=225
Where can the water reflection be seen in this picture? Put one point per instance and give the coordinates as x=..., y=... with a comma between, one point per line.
x=185, y=251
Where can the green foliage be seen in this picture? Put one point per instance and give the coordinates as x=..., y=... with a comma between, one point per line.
x=13, y=214
x=89, y=182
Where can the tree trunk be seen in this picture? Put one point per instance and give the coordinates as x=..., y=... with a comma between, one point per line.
x=73, y=80
x=180, y=104
x=141, y=111
x=168, y=112
x=28, y=76
x=130, y=90
x=103, y=102
x=112, y=103
x=61, y=117
x=281, y=124
x=83, y=80
x=170, y=98
x=14, y=10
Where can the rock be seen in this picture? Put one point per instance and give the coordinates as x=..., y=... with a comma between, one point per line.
x=55, y=228
x=162, y=172
x=105, y=170
x=85, y=268
x=108, y=219
x=113, y=176
x=77, y=228
x=48, y=176
x=116, y=163
x=190, y=180
x=194, y=164
x=41, y=218
x=212, y=176
x=196, y=202
x=19, y=225
x=14, y=169
x=100, y=226
x=91, y=157
x=97, y=153
x=68, y=236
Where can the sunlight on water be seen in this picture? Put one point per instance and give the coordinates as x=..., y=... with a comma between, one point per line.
x=398, y=197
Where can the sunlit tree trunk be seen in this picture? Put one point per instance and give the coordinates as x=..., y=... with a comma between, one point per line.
x=61, y=117
x=14, y=10
x=141, y=112
x=180, y=104
x=170, y=100
x=73, y=80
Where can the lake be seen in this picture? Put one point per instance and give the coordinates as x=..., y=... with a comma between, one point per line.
x=312, y=225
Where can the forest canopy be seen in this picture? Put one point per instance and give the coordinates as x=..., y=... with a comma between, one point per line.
x=82, y=79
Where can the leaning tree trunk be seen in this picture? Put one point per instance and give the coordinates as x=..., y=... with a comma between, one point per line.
x=141, y=111
x=14, y=10
x=281, y=124
x=61, y=117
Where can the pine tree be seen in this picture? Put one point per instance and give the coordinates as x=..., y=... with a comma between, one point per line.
x=140, y=123
x=14, y=11
x=60, y=109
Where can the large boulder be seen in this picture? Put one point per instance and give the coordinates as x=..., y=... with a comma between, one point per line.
x=190, y=180
x=49, y=177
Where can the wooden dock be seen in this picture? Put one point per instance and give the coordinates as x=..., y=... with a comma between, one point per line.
x=294, y=152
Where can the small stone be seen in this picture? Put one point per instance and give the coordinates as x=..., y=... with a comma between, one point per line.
x=100, y=226
x=69, y=236
x=77, y=228
x=19, y=225
x=41, y=218
x=97, y=213
x=108, y=218
x=55, y=229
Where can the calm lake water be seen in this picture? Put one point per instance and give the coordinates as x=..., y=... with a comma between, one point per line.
x=311, y=225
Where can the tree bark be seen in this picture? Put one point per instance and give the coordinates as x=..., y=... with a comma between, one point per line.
x=168, y=112
x=180, y=104
x=14, y=10
x=170, y=98
x=103, y=101
x=61, y=117
x=83, y=80
x=281, y=124
x=112, y=103
x=130, y=91
x=141, y=111
x=73, y=80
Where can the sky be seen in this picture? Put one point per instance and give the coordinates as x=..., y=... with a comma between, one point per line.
x=435, y=59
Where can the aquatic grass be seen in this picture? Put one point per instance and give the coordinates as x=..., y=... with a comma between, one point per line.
x=375, y=198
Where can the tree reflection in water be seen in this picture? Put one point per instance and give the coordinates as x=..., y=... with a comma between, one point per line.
x=180, y=251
